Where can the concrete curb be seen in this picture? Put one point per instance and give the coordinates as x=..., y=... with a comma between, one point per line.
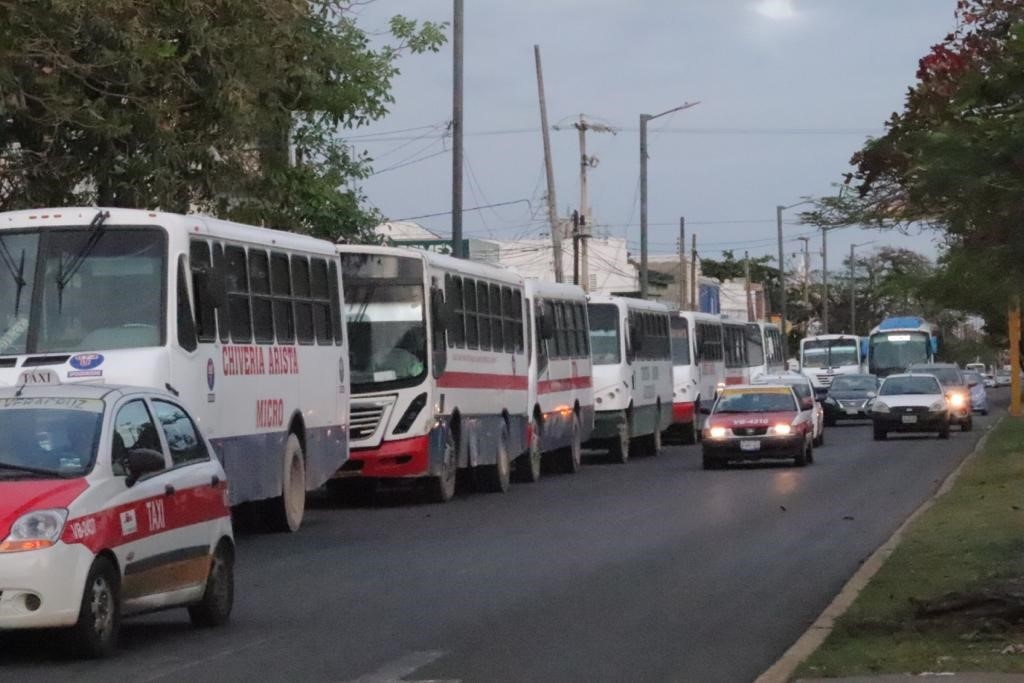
x=782, y=670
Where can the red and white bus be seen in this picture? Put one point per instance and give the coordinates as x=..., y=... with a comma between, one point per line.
x=698, y=368
x=439, y=370
x=242, y=323
x=561, y=393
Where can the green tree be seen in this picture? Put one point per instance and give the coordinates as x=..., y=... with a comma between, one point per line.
x=194, y=104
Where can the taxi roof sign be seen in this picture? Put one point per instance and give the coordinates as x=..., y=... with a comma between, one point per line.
x=38, y=377
x=765, y=389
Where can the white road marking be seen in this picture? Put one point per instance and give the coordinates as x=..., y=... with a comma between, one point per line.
x=396, y=671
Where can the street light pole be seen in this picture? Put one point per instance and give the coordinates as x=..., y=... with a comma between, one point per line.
x=782, y=273
x=644, y=120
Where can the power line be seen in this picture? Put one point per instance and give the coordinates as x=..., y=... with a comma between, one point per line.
x=690, y=130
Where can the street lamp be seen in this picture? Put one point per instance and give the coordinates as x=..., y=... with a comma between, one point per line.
x=644, y=119
x=782, y=270
x=853, y=289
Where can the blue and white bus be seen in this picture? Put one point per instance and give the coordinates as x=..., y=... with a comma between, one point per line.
x=896, y=343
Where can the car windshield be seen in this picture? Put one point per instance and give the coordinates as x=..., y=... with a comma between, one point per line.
x=604, y=334
x=899, y=386
x=947, y=376
x=854, y=383
x=385, y=318
x=55, y=437
x=755, y=402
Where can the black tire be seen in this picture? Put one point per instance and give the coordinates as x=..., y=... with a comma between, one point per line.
x=618, y=451
x=285, y=512
x=879, y=434
x=830, y=422
x=710, y=463
x=689, y=433
x=944, y=434
x=967, y=425
x=357, y=491
x=497, y=477
x=801, y=458
x=219, y=597
x=984, y=412
x=441, y=489
x=810, y=455
x=95, y=633
x=528, y=465
x=820, y=441
x=570, y=459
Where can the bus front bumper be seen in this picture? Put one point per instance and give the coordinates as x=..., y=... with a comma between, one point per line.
x=404, y=458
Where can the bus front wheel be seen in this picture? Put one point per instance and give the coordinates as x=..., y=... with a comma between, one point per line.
x=285, y=512
x=619, y=449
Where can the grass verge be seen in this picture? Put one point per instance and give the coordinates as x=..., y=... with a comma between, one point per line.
x=951, y=596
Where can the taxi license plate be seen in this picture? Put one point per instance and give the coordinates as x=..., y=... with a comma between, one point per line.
x=851, y=411
x=909, y=419
x=750, y=445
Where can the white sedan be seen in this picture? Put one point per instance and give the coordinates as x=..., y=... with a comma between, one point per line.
x=110, y=504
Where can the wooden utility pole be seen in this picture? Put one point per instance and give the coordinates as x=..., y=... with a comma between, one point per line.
x=693, y=275
x=682, y=263
x=746, y=287
x=1014, y=325
x=556, y=228
x=582, y=126
x=457, y=131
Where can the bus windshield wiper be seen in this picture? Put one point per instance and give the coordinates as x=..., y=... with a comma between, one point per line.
x=31, y=470
x=66, y=272
x=17, y=272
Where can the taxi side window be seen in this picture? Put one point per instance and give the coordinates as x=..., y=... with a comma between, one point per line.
x=182, y=437
x=133, y=428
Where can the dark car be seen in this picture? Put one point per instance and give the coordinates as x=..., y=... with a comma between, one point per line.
x=957, y=391
x=848, y=396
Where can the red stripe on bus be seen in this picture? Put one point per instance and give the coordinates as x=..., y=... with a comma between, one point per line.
x=481, y=380
x=568, y=384
x=734, y=380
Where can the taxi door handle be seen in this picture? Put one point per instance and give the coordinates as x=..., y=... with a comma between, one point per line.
x=169, y=490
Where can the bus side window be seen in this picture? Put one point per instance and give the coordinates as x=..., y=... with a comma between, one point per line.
x=262, y=306
x=497, y=328
x=457, y=315
x=220, y=270
x=483, y=307
x=517, y=308
x=572, y=340
x=439, y=347
x=581, y=331
x=186, y=325
x=238, y=295
x=281, y=288
x=472, y=334
x=303, y=306
x=321, y=301
x=206, y=318
x=508, y=319
x=555, y=342
x=336, y=326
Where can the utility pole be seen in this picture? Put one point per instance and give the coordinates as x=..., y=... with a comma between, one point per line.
x=556, y=228
x=807, y=272
x=682, y=263
x=582, y=126
x=644, y=120
x=824, y=280
x=576, y=247
x=693, y=274
x=746, y=278
x=457, y=131
x=853, y=293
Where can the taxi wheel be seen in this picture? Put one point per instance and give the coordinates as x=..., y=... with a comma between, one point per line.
x=944, y=434
x=99, y=619
x=285, y=512
x=801, y=457
x=619, y=449
x=879, y=434
x=442, y=487
x=967, y=425
x=219, y=597
x=820, y=440
x=528, y=467
x=496, y=478
x=572, y=457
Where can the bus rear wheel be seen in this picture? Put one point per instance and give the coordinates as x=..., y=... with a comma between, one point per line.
x=442, y=487
x=528, y=466
x=571, y=458
x=619, y=449
x=285, y=512
x=497, y=477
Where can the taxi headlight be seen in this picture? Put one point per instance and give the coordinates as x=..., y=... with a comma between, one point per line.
x=35, y=530
x=938, y=407
x=717, y=432
x=879, y=407
x=781, y=429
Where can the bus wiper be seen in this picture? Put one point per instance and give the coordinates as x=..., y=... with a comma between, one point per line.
x=18, y=273
x=65, y=273
x=31, y=470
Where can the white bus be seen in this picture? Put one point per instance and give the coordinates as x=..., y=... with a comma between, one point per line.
x=243, y=323
x=897, y=343
x=439, y=370
x=698, y=368
x=734, y=346
x=561, y=393
x=824, y=356
x=631, y=350
x=764, y=349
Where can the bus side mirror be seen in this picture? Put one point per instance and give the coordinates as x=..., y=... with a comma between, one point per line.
x=438, y=311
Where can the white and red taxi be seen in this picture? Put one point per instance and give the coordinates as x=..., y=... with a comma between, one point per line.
x=110, y=504
x=756, y=422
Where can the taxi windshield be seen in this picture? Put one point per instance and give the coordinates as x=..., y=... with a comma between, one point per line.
x=48, y=437
x=756, y=402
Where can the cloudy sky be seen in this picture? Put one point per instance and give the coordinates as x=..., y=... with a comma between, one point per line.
x=788, y=90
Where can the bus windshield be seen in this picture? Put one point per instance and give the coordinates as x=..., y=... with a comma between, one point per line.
x=896, y=351
x=830, y=353
x=386, y=322
x=101, y=289
x=680, y=341
x=605, y=347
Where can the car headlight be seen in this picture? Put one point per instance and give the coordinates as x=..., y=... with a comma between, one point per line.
x=938, y=407
x=879, y=407
x=717, y=432
x=957, y=400
x=35, y=530
x=781, y=429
